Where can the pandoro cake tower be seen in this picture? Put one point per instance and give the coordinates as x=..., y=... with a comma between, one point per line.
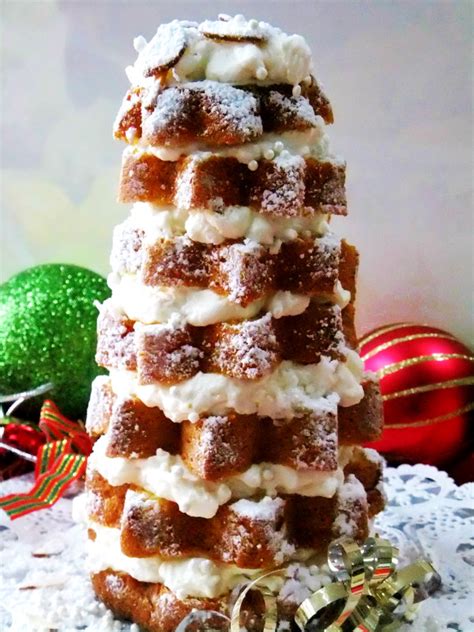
x=228, y=431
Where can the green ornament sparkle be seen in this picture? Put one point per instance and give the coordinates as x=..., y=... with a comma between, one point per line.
x=48, y=333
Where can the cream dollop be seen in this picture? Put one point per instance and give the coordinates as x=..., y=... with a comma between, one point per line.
x=272, y=56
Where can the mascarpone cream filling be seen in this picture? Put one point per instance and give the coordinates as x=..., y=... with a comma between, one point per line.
x=208, y=227
x=196, y=306
x=193, y=576
x=310, y=143
x=201, y=307
x=166, y=476
x=291, y=389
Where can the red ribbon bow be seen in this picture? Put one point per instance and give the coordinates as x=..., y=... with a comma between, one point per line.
x=59, y=462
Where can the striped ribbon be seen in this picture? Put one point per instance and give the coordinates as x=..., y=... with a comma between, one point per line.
x=56, y=426
x=57, y=463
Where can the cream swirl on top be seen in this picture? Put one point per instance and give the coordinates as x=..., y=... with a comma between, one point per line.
x=230, y=50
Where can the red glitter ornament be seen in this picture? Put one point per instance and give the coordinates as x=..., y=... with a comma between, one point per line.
x=427, y=383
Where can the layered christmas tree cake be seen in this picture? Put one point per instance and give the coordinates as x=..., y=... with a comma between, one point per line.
x=228, y=431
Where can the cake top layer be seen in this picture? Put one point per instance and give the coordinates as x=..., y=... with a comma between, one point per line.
x=229, y=50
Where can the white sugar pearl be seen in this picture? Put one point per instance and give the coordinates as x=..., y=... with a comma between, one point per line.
x=296, y=92
x=262, y=73
x=253, y=23
x=268, y=475
x=278, y=146
x=307, y=80
x=139, y=43
x=253, y=165
x=269, y=154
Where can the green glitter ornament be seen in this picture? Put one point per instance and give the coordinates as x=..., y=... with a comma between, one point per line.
x=48, y=333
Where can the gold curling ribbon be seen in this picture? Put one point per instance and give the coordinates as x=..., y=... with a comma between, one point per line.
x=271, y=615
x=369, y=591
x=369, y=595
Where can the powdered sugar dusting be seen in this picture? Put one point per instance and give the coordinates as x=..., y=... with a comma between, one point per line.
x=164, y=49
x=352, y=506
x=287, y=193
x=235, y=28
x=233, y=107
x=292, y=108
x=250, y=350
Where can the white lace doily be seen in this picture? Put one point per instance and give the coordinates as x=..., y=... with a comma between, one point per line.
x=44, y=586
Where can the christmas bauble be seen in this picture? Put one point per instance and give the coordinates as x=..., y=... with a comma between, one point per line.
x=427, y=383
x=22, y=436
x=48, y=333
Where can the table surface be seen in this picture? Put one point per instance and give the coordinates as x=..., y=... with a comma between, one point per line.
x=44, y=585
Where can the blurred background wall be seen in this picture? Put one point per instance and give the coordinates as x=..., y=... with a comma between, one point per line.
x=399, y=75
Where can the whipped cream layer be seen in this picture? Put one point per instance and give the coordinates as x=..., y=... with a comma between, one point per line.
x=197, y=306
x=305, y=574
x=193, y=576
x=262, y=55
x=209, y=227
x=201, y=577
x=167, y=476
x=201, y=307
x=290, y=390
x=312, y=143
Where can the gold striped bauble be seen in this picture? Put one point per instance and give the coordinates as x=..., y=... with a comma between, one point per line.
x=427, y=382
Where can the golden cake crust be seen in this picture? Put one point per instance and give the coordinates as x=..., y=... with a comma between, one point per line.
x=289, y=186
x=152, y=606
x=217, y=113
